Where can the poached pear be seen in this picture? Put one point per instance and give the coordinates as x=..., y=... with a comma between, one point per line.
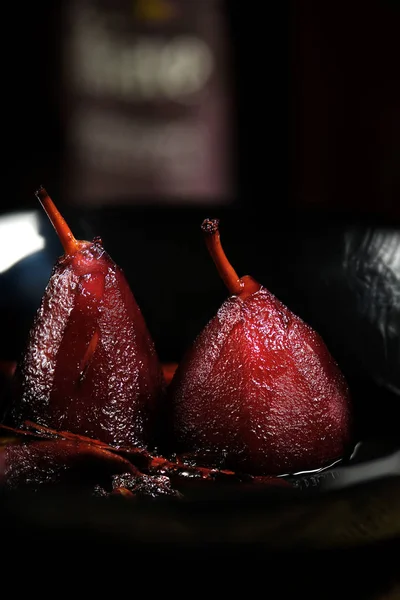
x=90, y=366
x=258, y=391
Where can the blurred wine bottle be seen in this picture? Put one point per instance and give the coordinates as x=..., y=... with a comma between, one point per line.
x=146, y=102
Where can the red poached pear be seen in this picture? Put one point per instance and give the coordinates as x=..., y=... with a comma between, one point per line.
x=90, y=365
x=258, y=392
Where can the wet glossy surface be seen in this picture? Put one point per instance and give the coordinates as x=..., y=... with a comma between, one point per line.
x=90, y=365
x=259, y=392
x=48, y=463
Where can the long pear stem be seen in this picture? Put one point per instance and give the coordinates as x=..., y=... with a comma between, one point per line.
x=68, y=241
x=227, y=273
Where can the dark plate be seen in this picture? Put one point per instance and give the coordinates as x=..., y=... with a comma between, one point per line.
x=341, y=277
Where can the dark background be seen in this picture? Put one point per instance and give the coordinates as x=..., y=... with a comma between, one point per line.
x=316, y=210
x=317, y=96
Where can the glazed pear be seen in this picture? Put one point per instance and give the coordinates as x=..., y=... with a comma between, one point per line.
x=90, y=365
x=258, y=392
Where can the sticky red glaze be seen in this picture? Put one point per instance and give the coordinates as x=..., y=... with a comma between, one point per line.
x=259, y=392
x=58, y=461
x=90, y=366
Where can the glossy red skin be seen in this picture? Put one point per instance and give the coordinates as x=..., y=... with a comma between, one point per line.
x=118, y=398
x=259, y=392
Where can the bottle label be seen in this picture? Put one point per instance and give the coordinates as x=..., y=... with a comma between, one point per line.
x=147, y=93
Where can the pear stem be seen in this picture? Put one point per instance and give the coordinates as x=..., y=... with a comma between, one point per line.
x=227, y=273
x=68, y=241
